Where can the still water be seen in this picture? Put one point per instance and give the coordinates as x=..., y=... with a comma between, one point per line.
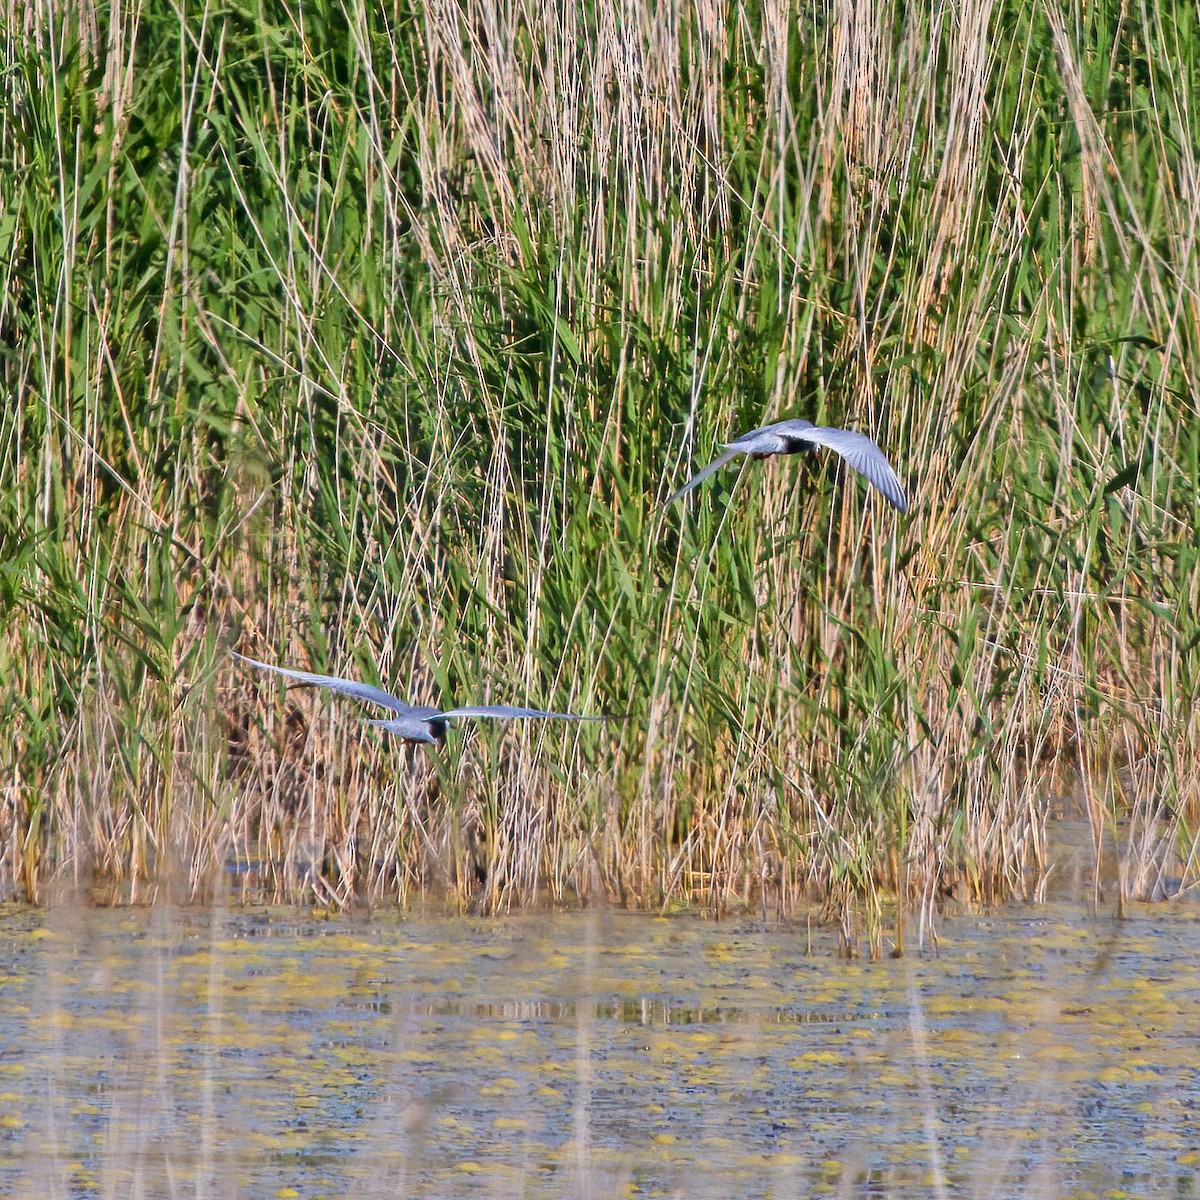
x=252, y=1053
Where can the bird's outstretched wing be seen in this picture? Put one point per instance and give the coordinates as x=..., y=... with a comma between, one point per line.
x=345, y=687
x=863, y=455
x=701, y=475
x=509, y=712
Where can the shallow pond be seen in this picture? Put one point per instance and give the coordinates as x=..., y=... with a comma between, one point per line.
x=275, y=1054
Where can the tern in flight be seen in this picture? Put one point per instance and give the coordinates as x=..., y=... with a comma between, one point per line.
x=413, y=722
x=798, y=436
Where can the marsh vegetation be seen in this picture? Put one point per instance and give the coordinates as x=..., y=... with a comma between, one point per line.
x=369, y=339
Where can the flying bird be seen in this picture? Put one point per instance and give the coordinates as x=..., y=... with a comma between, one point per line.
x=798, y=436
x=413, y=722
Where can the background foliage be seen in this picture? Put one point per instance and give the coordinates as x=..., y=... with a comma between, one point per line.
x=369, y=338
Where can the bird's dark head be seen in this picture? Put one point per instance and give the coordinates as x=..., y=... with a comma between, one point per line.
x=798, y=445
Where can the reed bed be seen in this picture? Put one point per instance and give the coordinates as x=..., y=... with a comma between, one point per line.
x=368, y=339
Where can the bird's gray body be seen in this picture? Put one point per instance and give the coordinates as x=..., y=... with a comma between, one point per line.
x=413, y=722
x=797, y=436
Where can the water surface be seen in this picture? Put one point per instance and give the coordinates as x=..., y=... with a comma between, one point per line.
x=277, y=1054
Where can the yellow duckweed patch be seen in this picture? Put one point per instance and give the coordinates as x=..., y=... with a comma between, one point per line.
x=1058, y=1053
x=815, y=1058
x=423, y=1057
x=1166, y=1140
x=951, y=1035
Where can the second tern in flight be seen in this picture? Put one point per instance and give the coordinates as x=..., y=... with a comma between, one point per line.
x=797, y=436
